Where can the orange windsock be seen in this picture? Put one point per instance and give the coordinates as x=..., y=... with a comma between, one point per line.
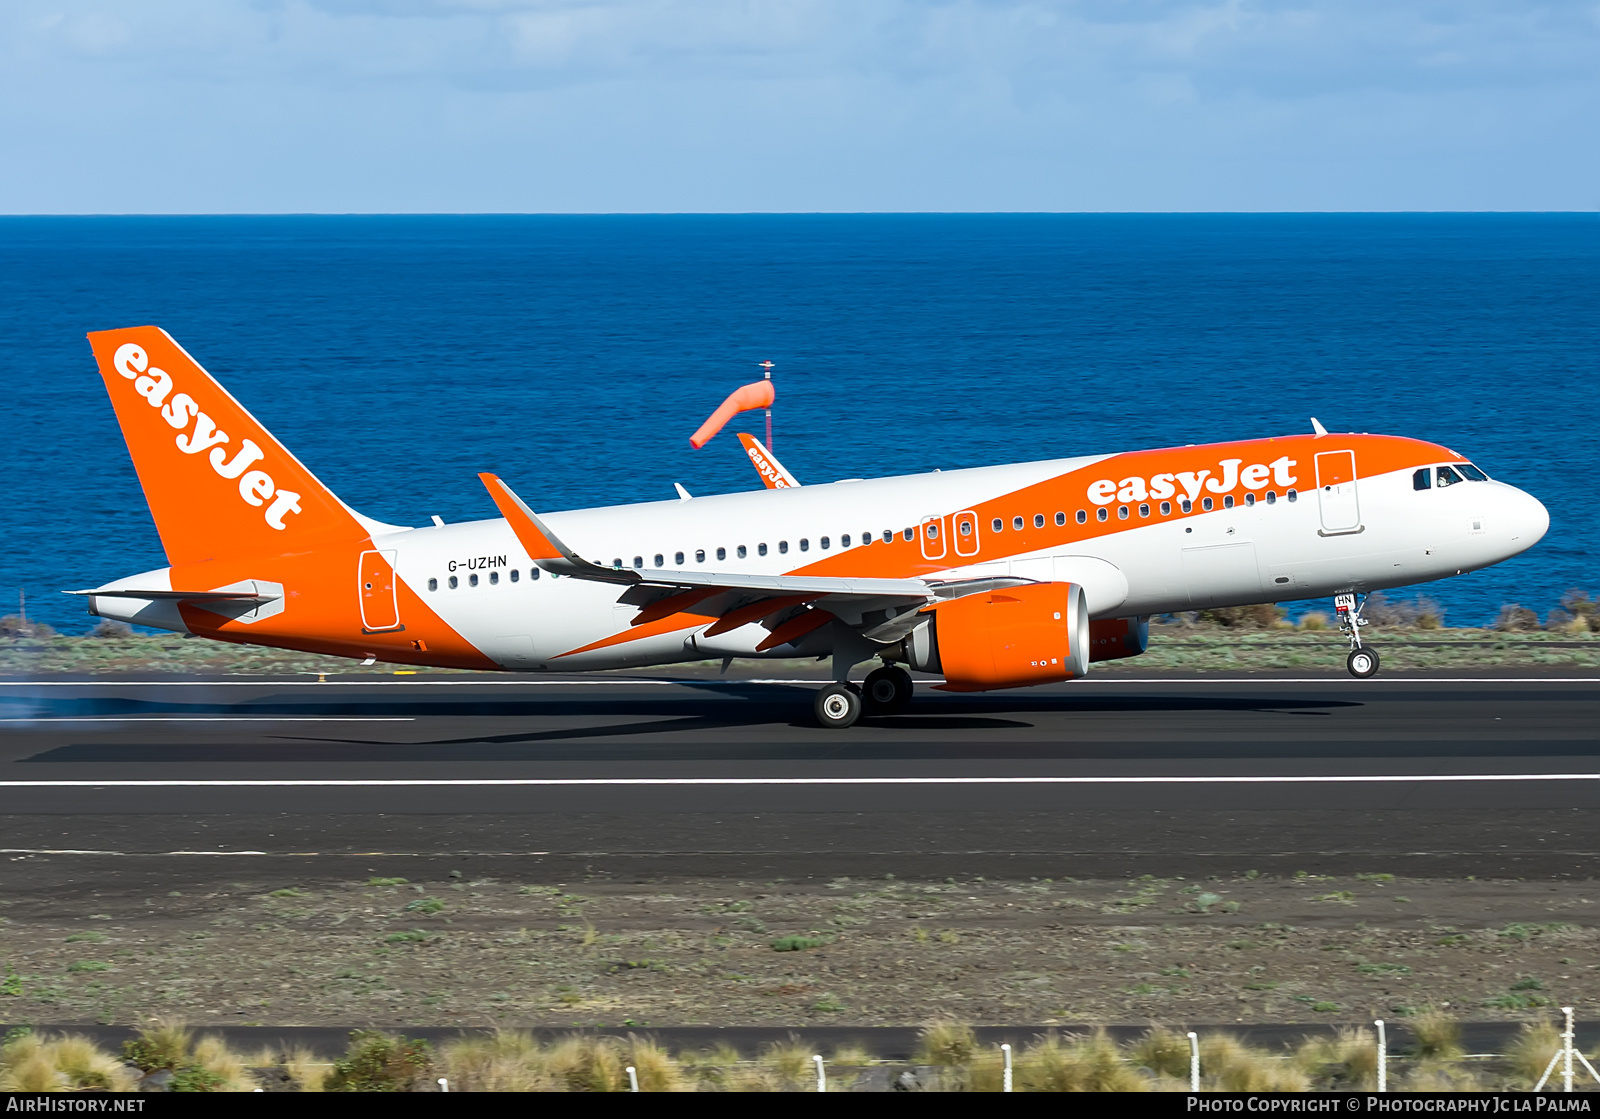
x=757, y=395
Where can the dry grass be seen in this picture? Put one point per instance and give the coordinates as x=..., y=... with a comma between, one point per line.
x=946, y=1043
x=1345, y=1062
x=1438, y=1036
x=37, y=1063
x=1529, y=1055
x=512, y=1061
x=1091, y=1063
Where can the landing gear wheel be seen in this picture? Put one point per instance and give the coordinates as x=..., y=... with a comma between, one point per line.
x=887, y=690
x=838, y=706
x=1363, y=662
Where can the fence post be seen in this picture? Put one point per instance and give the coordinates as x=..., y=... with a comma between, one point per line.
x=1566, y=1071
x=1006, y=1082
x=633, y=1079
x=822, y=1077
x=1383, y=1057
x=1194, y=1061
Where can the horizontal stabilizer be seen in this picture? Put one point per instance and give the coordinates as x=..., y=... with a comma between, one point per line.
x=182, y=596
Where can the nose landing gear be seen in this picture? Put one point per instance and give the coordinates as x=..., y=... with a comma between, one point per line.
x=1363, y=660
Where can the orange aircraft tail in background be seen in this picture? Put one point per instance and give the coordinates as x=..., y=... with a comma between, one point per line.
x=219, y=485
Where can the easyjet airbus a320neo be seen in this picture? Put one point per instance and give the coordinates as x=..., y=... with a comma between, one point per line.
x=996, y=577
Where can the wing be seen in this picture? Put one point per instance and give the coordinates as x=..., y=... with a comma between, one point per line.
x=787, y=604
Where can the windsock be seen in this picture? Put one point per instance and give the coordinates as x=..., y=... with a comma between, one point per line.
x=757, y=395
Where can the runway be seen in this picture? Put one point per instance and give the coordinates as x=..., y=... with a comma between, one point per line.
x=716, y=772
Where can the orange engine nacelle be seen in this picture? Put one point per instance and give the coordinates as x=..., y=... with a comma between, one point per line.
x=1115, y=638
x=1010, y=638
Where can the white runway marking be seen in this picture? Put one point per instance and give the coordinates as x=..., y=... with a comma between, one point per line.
x=626, y=782
x=625, y=681
x=214, y=719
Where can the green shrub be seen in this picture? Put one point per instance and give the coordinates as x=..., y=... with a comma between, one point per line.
x=380, y=1062
x=797, y=943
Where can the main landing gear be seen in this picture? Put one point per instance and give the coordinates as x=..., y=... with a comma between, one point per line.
x=1363, y=660
x=886, y=691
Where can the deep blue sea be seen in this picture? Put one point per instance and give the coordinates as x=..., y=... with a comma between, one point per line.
x=398, y=356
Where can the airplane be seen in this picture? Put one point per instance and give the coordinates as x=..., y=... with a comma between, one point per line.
x=988, y=578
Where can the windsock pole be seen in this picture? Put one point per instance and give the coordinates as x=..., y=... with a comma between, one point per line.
x=766, y=370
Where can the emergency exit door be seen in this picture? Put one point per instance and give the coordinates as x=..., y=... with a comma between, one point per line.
x=1336, y=492
x=380, y=603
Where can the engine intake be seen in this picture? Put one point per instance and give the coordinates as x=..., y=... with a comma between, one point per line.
x=1009, y=638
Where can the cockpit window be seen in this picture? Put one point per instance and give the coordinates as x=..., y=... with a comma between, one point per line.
x=1472, y=472
x=1422, y=479
x=1446, y=476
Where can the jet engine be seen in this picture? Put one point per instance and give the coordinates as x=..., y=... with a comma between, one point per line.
x=1037, y=633
x=1114, y=638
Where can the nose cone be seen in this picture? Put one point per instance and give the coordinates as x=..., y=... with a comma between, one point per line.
x=1526, y=519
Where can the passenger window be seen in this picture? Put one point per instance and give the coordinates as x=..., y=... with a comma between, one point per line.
x=1293, y=495
x=1102, y=514
x=783, y=547
x=1082, y=516
x=1061, y=519
x=997, y=525
x=1446, y=477
x=638, y=561
x=866, y=538
x=1205, y=503
x=933, y=530
x=660, y=560
x=825, y=543
x=1122, y=512
x=515, y=575
x=888, y=535
x=1016, y=524
x=965, y=527
x=805, y=545
x=1038, y=520
x=1144, y=510
x=677, y=560
x=699, y=555
x=1166, y=508
x=910, y=534
x=1422, y=479
x=433, y=584
x=1227, y=502
x=844, y=541
x=1272, y=498
x=472, y=580
x=1186, y=505
x=494, y=578
x=761, y=549
x=454, y=583
x=722, y=554
x=1472, y=472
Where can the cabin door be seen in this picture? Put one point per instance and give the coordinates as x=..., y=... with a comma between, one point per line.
x=380, y=602
x=1336, y=492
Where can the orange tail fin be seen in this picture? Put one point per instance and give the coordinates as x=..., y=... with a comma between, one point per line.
x=219, y=485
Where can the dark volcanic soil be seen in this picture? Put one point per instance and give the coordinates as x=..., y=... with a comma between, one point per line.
x=237, y=941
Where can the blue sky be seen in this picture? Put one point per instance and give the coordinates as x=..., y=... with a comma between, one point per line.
x=797, y=105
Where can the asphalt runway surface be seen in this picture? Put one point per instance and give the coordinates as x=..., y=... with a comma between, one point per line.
x=1492, y=775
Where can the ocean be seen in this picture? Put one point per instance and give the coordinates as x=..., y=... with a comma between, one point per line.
x=399, y=356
